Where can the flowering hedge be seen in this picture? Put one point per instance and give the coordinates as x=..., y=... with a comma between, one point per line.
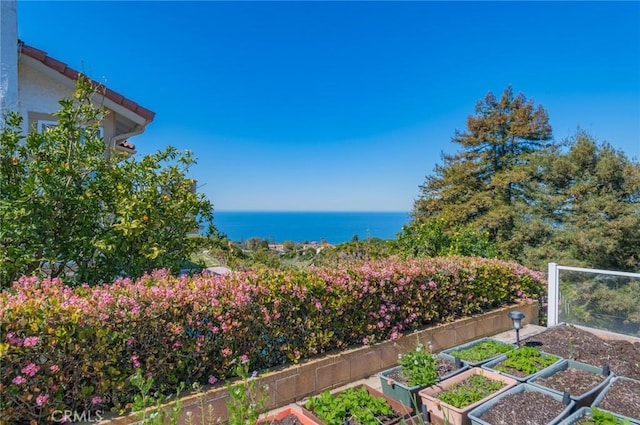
x=66, y=348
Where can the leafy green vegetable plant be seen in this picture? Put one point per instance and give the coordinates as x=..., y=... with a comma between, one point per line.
x=599, y=417
x=526, y=360
x=355, y=404
x=472, y=389
x=482, y=351
x=419, y=367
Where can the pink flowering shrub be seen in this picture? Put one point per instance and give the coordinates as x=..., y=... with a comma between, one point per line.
x=66, y=348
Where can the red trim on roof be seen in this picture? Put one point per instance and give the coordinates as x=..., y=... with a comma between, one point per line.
x=71, y=73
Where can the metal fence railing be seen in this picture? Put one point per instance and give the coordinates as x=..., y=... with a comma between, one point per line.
x=600, y=299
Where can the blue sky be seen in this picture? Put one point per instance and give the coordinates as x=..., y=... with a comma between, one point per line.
x=344, y=106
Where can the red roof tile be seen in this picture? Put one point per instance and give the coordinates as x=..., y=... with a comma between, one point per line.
x=71, y=73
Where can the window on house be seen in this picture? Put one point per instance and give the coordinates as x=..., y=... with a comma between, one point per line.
x=44, y=124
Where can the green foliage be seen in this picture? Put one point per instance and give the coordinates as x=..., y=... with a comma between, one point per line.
x=525, y=361
x=600, y=417
x=483, y=185
x=472, y=389
x=70, y=208
x=576, y=202
x=611, y=303
x=419, y=367
x=588, y=204
x=430, y=238
x=355, y=404
x=482, y=351
x=149, y=405
x=355, y=250
x=76, y=344
x=246, y=399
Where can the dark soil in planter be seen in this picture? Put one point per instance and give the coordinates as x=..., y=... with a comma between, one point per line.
x=287, y=420
x=443, y=367
x=574, y=381
x=624, y=398
x=527, y=407
x=576, y=344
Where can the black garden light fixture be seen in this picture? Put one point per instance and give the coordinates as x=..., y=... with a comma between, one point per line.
x=516, y=323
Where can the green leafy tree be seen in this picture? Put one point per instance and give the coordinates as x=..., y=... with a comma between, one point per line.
x=353, y=251
x=588, y=206
x=484, y=184
x=67, y=209
x=430, y=238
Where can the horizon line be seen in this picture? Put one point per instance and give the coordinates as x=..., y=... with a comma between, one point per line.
x=308, y=211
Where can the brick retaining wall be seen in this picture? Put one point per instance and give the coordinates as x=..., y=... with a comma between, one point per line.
x=293, y=383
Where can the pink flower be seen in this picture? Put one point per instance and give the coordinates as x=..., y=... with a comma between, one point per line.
x=244, y=359
x=31, y=341
x=226, y=352
x=177, y=344
x=42, y=399
x=134, y=360
x=96, y=400
x=54, y=368
x=19, y=380
x=129, y=341
x=212, y=379
x=11, y=338
x=30, y=369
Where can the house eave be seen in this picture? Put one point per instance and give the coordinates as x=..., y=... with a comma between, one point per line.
x=63, y=74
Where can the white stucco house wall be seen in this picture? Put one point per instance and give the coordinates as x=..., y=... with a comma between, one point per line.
x=32, y=83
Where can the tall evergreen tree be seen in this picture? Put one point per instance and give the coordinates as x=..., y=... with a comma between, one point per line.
x=484, y=184
x=589, y=197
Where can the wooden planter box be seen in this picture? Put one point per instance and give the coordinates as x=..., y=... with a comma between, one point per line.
x=440, y=413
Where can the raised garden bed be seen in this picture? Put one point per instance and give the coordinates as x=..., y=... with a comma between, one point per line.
x=582, y=381
x=622, y=397
x=478, y=352
x=450, y=401
x=288, y=416
x=360, y=405
x=523, y=404
x=523, y=363
x=394, y=382
x=574, y=343
x=593, y=416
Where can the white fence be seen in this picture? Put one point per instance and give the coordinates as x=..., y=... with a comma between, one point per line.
x=600, y=299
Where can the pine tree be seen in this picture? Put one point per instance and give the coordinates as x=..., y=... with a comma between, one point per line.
x=485, y=183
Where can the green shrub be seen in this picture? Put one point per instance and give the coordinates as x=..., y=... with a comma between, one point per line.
x=76, y=347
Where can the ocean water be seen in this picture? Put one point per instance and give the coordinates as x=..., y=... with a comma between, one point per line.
x=332, y=227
